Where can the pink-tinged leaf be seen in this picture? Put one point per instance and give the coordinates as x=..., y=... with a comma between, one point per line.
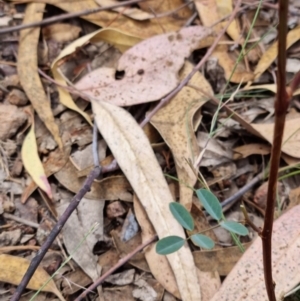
x=32, y=162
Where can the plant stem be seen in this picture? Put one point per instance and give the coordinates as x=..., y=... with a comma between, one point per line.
x=281, y=105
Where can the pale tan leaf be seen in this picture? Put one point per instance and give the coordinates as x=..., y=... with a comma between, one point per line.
x=135, y=157
x=61, y=32
x=174, y=123
x=28, y=69
x=32, y=162
x=119, y=39
x=150, y=69
x=271, y=54
x=246, y=280
x=13, y=269
x=291, y=135
x=131, y=12
x=251, y=149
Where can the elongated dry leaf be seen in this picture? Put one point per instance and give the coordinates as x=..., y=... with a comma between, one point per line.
x=271, y=54
x=135, y=156
x=150, y=69
x=115, y=37
x=115, y=20
x=28, y=69
x=13, y=269
x=174, y=123
x=32, y=162
x=246, y=280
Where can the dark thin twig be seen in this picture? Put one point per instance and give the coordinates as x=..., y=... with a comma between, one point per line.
x=57, y=228
x=121, y=262
x=66, y=16
x=281, y=106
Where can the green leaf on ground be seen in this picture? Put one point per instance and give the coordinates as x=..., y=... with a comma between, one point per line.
x=182, y=216
x=169, y=244
x=210, y=203
x=202, y=241
x=235, y=227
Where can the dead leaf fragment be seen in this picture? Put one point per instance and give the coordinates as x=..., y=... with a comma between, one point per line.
x=61, y=32
x=13, y=269
x=291, y=136
x=150, y=69
x=28, y=69
x=135, y=157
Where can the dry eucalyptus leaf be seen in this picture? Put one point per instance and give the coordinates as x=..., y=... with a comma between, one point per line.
x=175, y=124
x=134, y=154
x=27, y=60
x=13, y=269
x=246, y=280
x=150, y=69
x=114, y=20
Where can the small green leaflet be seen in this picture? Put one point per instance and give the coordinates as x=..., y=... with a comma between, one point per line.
x=235, y=227
x=210, y=203
x=182, y=216
x=202, y=241
x=169, y=244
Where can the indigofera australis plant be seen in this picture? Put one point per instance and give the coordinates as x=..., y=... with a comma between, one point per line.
x=210, y=203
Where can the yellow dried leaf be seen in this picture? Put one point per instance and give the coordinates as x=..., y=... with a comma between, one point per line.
x=32, y=162
x=13, y=269
x=28, y=69
x=271, y=54
x=135, y=157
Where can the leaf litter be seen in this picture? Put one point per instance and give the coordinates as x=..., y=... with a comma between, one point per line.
x=231, y=159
